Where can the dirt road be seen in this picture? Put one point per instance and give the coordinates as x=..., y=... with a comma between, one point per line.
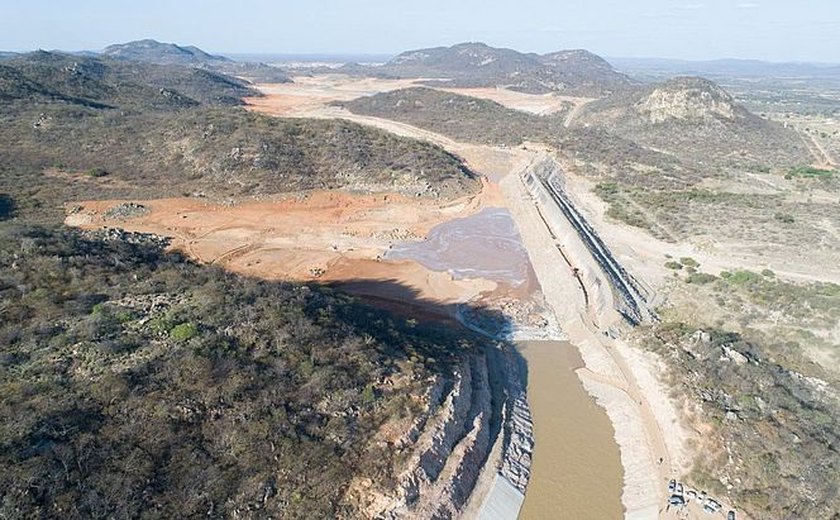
x=645, y=422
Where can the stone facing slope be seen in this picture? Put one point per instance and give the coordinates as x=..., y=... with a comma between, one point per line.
x=451, y=443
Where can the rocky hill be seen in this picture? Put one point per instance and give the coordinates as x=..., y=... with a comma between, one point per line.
x=157, y=131
x=49, y=77
x=695, y=119
x=585, y=71
x=153, y=51
x=137, y=383
x=479, y=65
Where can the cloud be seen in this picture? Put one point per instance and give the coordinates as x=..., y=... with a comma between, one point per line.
x=748, y=5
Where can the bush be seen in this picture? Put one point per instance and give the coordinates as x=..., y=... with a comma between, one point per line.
x=742, y=277
x=606, y=189
x=784, y=218
x=7, y=206
x=676, y=266
x=701, y=278
x=183, y=332
x=97, y=172
x=808, y=171
x=689, y=262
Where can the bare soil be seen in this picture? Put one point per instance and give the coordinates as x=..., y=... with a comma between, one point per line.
x=324, y=236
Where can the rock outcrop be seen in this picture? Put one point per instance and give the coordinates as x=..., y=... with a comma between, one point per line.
x=448, y=454
x=689, y=99
x=480, y=405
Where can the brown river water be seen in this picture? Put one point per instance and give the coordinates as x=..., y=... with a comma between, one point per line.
x=576, y=472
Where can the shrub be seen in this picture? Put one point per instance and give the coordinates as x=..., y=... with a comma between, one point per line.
x=743, y=277
x=368, y=395
x=808, y=171
x=7, y=206
x=676, y=266
x=605, y=189
x=183, y=332
x=701, y=278
x=97, y=172
x=784, y=218
x=689, y=262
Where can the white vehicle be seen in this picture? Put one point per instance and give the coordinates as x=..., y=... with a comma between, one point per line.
x=711, y=506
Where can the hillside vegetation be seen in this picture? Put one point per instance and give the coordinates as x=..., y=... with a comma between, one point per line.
x=476, y=64
x=460, y=117
x=152, y=51
x=134, y=125
x=134, y=383
x=44, y=77
x=468, y=119
x=740, y=348
x=137, y=384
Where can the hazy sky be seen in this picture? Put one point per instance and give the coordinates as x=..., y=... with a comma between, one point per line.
x=778, y=30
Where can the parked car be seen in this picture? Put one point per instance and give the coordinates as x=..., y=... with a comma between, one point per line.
x=711, y=506
x=672, y=485
x=730, y=515
x=676, y=500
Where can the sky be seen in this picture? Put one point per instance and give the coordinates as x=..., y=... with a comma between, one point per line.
x=774, y=30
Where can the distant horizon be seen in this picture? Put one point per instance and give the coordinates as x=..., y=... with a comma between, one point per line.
x=316, y=56
x=776, y=31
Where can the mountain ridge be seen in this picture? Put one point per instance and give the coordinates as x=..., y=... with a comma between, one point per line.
x=159, y=53
x=163, y=53
x=476, y=64
x=696, y=119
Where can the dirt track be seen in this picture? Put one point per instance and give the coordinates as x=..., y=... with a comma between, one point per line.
x=641, y=427
x=340, y=237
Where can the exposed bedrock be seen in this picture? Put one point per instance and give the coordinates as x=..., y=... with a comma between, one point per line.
x=480, y=405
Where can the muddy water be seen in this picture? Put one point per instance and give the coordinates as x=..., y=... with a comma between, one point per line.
x=485, y=245
x=576, y=473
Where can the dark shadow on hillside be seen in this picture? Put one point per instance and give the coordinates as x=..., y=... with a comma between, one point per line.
x=199, y=390
x=7, y=206
x=488, y=328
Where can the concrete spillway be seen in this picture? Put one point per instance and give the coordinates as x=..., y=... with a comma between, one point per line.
x=544, y=181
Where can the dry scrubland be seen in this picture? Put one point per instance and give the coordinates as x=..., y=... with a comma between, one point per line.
x=152, y=380
x=141, y=383
x=134, y=381
x=752, y=358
